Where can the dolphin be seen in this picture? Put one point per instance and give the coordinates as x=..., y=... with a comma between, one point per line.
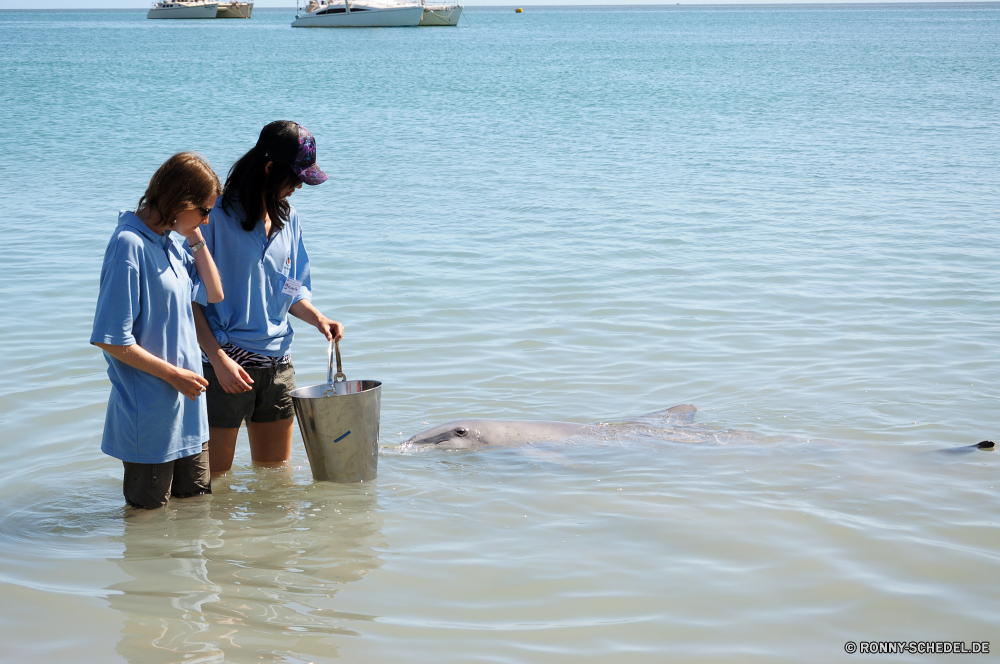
x=986, y=445
x=473, y=434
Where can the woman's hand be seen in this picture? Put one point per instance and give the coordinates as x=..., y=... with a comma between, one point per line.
x=187, y=383
x=233, y=378
x=194, y=237
x=331, y=329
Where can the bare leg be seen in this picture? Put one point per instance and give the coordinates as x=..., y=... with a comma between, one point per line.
x=221, y=448
x=270, y=442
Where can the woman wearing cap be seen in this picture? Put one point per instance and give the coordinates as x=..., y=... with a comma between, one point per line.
x=156, y=422
x=265, y=267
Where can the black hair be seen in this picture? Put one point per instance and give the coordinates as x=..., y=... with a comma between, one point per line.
x=252, y=188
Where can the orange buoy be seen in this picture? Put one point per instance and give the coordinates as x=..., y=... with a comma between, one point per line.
x=518, y=11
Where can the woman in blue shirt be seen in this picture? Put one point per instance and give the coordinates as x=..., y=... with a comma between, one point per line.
x=156, y=421
x=257, y=241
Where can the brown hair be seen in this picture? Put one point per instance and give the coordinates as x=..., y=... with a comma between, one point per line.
x=182, y=183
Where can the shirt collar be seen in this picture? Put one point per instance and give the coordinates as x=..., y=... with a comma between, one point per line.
x=128, y=218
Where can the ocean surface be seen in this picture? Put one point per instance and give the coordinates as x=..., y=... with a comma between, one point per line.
x=787, y=216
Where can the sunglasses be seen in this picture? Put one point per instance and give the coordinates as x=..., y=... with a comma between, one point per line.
x=204, y=211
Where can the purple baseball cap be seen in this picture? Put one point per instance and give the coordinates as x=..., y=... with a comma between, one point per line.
x=291, y=144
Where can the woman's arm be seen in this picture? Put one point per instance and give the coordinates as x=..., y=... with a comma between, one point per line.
x=304, y=310
x=233, y=378
x=186, y=382
x=206, y=268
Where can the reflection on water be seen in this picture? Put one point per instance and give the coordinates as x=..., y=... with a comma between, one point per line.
x=255, y=565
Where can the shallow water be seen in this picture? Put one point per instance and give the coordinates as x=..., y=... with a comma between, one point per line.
x=786, y=216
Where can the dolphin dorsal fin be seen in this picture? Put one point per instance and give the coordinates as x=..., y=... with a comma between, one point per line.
x=684, y=411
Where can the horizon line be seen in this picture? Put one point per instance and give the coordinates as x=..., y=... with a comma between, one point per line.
x=594, y=5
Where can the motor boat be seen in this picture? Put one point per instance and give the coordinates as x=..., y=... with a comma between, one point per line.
x=441, y=15
x=183, y=9
x=234, y=9
x=359, y=14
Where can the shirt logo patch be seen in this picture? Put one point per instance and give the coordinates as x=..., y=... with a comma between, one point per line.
x=291, y=287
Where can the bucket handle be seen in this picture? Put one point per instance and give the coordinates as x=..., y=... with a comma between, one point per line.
x=330, y=377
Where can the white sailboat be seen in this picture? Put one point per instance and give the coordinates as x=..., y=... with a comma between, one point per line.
x=441, y=15
x=359, y=14
x=235, y=9
x=183, y=9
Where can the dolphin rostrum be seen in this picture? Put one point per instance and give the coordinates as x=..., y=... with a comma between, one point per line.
x=471, y=434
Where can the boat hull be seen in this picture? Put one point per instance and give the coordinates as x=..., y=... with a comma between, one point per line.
x=232, y=10
x=395, y=17
x=441, y=15
x=203, y=11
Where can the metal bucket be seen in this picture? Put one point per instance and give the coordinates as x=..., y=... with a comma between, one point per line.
x=339, y=424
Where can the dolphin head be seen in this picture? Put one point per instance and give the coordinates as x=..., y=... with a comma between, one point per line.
x=472, y=434
x=457, y=435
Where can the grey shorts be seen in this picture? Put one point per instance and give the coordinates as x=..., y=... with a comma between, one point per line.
x=150, y=485
x=268, y=400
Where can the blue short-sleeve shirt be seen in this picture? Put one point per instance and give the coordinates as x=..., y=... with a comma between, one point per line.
x=262, y=278
x=148, y=282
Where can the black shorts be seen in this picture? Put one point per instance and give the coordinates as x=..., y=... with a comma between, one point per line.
x=268, y=400
x=150, y=485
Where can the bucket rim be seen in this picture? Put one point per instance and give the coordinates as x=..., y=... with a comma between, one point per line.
x=298, y=392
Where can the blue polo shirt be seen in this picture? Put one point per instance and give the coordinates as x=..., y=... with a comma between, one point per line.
x=147, y=284
x=255, y=273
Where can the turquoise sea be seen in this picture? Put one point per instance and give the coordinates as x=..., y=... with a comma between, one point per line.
x=786, y=215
